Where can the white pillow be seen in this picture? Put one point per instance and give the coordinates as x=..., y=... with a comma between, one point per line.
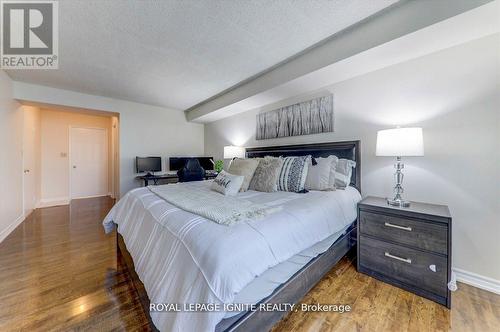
x=244, y=167
x=227, y=184
x=318, y=176
x=343, y=173
x=332, y=172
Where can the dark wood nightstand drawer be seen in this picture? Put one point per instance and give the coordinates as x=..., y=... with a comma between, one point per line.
x=407, y=247
x=416, y=268
x=419, y=234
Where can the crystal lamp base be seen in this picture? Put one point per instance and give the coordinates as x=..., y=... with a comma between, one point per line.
x=398, y=202
x=398, y=188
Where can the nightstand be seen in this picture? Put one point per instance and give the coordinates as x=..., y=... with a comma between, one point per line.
x=406, y=247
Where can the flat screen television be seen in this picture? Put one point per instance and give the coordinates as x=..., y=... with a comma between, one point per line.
x=176, y=163
x=148, y=164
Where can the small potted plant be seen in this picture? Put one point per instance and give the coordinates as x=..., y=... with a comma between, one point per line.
x=219, y=166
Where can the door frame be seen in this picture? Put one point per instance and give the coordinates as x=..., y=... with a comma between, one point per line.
x=24, y=185
x=35, y=202
x=71, y=127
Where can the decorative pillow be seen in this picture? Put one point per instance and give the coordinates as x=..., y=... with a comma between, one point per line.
x=227, y=184
x=293, y=173
x=343, y=173
x=332, y=172
x=245, y=167
x=318, y=175
x=266, y=175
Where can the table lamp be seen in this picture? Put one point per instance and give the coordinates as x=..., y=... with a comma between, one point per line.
x=232, y=152
x=399, y=142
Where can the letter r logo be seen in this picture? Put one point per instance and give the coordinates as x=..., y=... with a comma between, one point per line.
x=27, y=27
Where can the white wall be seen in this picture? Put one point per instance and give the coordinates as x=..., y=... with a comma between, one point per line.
x=55, y=154
x=11, y=159
x=144, y=129
x=453, y=95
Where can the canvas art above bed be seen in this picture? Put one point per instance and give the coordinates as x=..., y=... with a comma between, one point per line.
x=309, y=117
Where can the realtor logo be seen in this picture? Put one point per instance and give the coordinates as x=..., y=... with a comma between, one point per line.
x=29, y=35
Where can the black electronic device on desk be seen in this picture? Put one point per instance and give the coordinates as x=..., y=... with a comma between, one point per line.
x=148, y=165
x=153, y=164
x=177, y=163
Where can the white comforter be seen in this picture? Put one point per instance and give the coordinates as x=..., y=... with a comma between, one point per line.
x=184, y=258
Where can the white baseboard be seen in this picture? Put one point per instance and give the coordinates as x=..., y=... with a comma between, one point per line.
x=11, y=227
x=92, y=196
x=476, y=280
x=58, y=201
x=48, y=202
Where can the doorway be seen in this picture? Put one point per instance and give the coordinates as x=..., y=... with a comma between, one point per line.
x=68, y=153
x=88, y=162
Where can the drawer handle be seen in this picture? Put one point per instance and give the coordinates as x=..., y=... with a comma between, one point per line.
x=405, y=228
x=406, y=260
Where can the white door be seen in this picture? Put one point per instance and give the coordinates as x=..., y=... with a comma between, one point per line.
x=29, y=142
x=88, y=162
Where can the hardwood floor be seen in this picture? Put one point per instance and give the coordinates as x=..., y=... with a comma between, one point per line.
x=59, y=272
x=377, y=306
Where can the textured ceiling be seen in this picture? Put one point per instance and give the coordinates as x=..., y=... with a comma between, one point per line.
x=179, y=53
x=459, y=29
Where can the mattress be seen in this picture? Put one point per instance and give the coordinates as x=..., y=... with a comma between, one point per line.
x=182, y=257
x=265, y=284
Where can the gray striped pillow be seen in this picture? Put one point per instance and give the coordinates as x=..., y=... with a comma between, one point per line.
x=293, y=174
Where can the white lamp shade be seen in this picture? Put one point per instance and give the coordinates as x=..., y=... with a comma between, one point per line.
x=400, y=142
x=232, y=151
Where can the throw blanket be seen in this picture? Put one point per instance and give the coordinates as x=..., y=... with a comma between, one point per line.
x=225, y=210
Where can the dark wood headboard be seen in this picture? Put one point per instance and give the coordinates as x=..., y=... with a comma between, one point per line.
x=347, y=150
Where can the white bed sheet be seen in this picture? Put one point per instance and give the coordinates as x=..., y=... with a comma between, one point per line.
x=183, y=258
x=265, y=284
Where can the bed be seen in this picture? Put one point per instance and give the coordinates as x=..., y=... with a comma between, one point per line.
x=174, y=256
